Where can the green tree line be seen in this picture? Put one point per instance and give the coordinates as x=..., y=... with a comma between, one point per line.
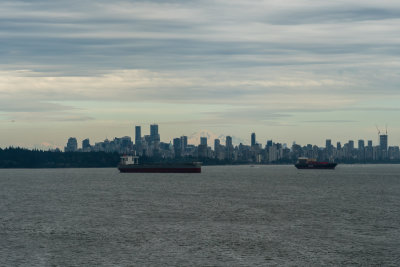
x=25, y=158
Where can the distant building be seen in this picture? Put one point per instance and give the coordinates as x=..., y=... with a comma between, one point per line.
x=154, y=136
x=383, y=145
x=72, y=145
x=86, y=145
x=228, y=141
x=153, y=129
x=202, y=150
x=138, y=135
x=383, y=142
x=177, y=147
x=269, y=143
x=229, y=148
x=361, y=144
x=218, y=149
x=184, y=142
x=217, y=144
x=369, y=151
x=274, y=153
x=328, y=143
x=253, y=139
x=351, y=145
x=361, y=150
x=394, y=153
x=203, y=141
x=124, y=144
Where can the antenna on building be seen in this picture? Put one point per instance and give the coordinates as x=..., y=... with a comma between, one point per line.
x=386, y=128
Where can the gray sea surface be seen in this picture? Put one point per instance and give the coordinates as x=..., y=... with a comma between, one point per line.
x=225, y=216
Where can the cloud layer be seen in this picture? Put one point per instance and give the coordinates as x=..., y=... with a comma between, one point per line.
x=253, y=59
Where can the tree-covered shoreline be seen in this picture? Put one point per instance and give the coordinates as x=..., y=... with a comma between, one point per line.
x=25, y=158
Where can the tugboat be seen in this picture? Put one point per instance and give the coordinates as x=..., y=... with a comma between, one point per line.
x=306, y=163
x=131, y=164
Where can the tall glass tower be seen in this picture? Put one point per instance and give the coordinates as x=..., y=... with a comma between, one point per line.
x=383, y=142
x=253, y=139
x=138, y=135
x=154, y=136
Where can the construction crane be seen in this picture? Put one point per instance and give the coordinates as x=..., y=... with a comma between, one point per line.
x=379, y=131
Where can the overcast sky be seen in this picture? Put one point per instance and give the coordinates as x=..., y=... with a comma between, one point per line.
x=290, y=70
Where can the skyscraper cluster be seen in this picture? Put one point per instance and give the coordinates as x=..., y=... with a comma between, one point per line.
x=150, y=146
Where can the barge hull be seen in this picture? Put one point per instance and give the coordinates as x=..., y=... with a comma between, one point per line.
x=160, y=170
x=329, y=166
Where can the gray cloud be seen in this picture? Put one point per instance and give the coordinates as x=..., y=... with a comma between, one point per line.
x=330, y=121
x=30, y=105
x=337, y=14
x=291, y=56
x=56, y=116
x=178, y=35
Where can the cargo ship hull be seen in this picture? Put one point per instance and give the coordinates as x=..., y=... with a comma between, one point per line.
x=131, y=164
x=161, y=168
x=150, y=169
x=307, y=163
x=322, y=166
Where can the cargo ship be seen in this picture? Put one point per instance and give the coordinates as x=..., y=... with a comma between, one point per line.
x=131, y=164
x=306, y=163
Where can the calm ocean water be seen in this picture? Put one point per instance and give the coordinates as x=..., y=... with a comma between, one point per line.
x=226, y=216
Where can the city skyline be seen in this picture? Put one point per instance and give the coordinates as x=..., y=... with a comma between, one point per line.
x=290, y=70
x=196, y=138
x=225, y=151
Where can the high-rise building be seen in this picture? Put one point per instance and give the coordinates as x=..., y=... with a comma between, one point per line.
x=270, y=143
x=228, y=142
x=202, y=151
x=229, y=148
x=72, y=145
x=154, y=136
x=203, y=141
x=361, y=144
x=153, y=129
x=125, y=143
x=253, y=139
x=328, y=143
x=177, y=147
x=138, y=135
x=184, y=142
x=351, y=145
x=369, y=151
x=86, y=144
x=383, y=142
x=217, y=143
x=328, y=149
x=338, y=146
x=394, y=153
